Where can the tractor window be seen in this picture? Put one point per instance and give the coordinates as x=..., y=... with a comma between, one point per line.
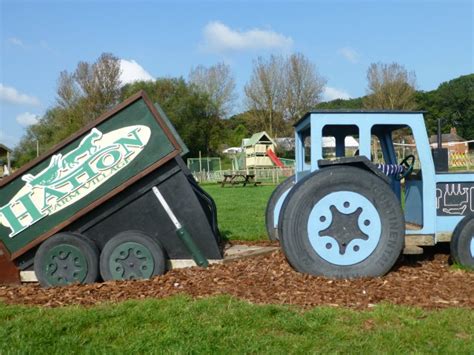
x=391, y=144
x=329, y=147
x=376, y=152
x=405, y=145
x=340, y=141
x=305, y=149
x=393, y=148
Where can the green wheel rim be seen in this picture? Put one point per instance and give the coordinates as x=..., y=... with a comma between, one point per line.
x=130, y=261
x=65, y=264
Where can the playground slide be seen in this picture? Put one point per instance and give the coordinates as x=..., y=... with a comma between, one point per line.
x=275, y=159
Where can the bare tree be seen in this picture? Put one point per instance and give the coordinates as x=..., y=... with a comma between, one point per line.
x=68, y=91
x=281, y=90
x=303, y=86
x=265, y=91
x=95, y=87
x=390, y=86
x=218, y=83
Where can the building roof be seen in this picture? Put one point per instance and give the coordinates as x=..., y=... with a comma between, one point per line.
x=4, y=149
x=364, y=111
x=257, y=137
x=447, y=137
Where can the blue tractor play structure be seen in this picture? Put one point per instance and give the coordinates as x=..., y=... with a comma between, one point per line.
x=347, y=216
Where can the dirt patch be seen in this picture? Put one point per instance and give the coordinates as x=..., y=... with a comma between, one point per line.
x=427, y=282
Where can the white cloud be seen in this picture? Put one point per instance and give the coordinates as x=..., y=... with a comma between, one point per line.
x=350, y=54
x=11, y=95
x=27, y=119
x=16, y=42
x=132, y=71
x=220, y=38
x=330, y=94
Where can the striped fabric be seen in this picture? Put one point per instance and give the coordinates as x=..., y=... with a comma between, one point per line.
x=390, y=169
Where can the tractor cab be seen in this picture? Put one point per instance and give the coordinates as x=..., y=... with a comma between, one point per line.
x=383, y=141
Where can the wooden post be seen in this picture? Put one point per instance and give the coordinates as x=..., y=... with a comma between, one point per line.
x=9, y=162
x=9, y=273
x=200, y=163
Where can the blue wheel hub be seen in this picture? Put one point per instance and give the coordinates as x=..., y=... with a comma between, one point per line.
x=344, y=228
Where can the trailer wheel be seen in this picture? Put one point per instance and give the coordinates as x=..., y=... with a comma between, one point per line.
x=274, y=205
x=66, y=258
x=462, y=242
x=131, y=255
x=342, y=222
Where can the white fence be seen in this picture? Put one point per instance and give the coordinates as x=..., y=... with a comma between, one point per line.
x=276, y=175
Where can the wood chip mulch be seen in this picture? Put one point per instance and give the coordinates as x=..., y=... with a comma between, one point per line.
x=428, y=282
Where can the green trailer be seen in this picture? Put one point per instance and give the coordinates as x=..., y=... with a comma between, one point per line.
x=109, y=202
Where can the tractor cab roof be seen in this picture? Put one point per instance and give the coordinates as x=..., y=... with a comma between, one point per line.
x=343, y=111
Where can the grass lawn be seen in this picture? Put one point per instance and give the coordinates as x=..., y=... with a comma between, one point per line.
x=241, y=210
x=226, y=325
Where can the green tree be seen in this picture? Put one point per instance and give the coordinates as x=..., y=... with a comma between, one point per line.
x=452, y=101
x=188, y=110
x=341, y=104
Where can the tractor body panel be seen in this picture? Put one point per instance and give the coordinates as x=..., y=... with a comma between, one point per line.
x=454, y=200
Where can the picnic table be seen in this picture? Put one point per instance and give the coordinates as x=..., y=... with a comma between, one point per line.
x=234, y=179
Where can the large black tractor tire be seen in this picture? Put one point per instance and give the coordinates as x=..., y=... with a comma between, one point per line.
x=131, y=255
x=342, y=222
x=272, y=202
x=462, y=242
x=66, y=258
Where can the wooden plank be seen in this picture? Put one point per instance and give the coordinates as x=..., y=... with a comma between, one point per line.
x=9, y=273
x=420, y=239
x=412, y=226
x=239, y=252
x=412, y=250
x=444, y=237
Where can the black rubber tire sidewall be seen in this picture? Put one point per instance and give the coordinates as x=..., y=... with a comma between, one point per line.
x=269, y=212
x=87, y=247
x=132, y=236
x=460, y=242
x=304, y=195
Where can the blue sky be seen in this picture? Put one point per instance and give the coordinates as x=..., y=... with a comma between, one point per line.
x=156, y=38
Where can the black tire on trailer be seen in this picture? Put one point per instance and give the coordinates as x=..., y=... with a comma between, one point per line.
x=462, y=242
x=131, y=255
x=281, y=190
x=66, y=258
x=342, y=222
